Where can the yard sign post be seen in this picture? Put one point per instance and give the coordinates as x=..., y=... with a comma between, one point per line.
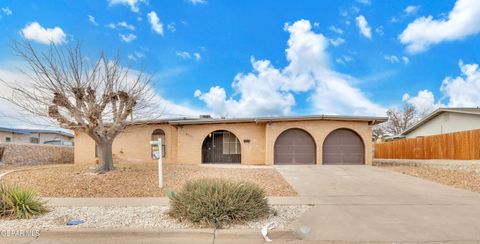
x=160, y=163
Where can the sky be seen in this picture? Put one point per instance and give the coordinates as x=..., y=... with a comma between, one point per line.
x=268, y=58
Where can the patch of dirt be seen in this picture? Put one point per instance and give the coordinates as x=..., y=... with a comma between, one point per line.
x=459, y=179
x=136, y=180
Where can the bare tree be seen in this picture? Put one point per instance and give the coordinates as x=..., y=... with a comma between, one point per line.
x=95, y=97
x=400, y=120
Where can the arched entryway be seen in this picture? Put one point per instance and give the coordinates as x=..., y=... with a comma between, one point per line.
x=343, y=146
x=294, y=146
x=221, y=146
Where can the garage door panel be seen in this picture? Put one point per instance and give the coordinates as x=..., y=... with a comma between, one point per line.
x=294, y=146
x=343, y=146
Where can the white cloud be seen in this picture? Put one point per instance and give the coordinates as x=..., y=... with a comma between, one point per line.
x=268, y=90
x=133, y=4
x=460, y=91
x=127, y=38
x=35, y=32
x=411, y=9
x=126, y=25
x=195, y=2
x=379, y=30
x=171, y=27
x=366, y=2
x=336, y=29
x=337, y=41
x=187, y=55
x=111, y=26
x=91, y=19
x=463, y=90
x=396, y=60
x=136, y=56
x=157, y=26
x=424, y=102
x=362, y=24
x=344, y=59
x=462, y=21
x=7, y=11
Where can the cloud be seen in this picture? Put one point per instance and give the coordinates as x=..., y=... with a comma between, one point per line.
x=195, y=2
x=424, y=102
x=91, y=19
x=127, y=38
x=121, y=24
x=35, y=32
x=7, y=11
x=411, y=9
x=460, y=91
x=187, y=55
x=157, y=26
x=136, y=56
x=337, y=41
x=365, y=2
x=132, y=3
x=171, y=27
x=268, y=90
x=336, y=29
x=344, y=59
x=362, y=24
x=461, y=22
x=396, y=60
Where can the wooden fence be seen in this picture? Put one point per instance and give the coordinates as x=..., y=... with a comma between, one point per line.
x=463, y=145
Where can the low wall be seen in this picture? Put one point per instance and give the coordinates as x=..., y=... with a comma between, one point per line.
x=35, y=154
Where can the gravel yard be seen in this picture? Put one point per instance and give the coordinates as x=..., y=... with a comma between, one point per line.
x=136, y=180
x=456, y=178
x=153, y=217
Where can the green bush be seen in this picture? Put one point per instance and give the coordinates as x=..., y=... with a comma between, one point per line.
x=20, y=203
x=218, y=202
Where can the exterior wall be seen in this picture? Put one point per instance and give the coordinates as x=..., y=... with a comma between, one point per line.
x=319, y=130
x=184, y=143
x=190, y=140
x=447, y=123
x=35, y=154
x=25, y=138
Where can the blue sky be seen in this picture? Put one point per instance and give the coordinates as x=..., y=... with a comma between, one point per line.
x=249, y=58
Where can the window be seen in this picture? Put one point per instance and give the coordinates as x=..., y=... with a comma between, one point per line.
x=231, y=145
x=35, y=140
x=8, y=139
x=158, y=133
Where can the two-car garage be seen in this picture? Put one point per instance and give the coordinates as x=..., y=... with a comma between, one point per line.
x=340, y=147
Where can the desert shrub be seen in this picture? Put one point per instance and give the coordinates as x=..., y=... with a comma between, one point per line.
x=218, y=202
x=20, y=203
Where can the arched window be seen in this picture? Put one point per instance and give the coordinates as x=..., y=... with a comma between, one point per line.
x=158, y=133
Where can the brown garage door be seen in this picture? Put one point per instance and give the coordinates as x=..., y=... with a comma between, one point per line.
x=294, y=146
x=343, y=146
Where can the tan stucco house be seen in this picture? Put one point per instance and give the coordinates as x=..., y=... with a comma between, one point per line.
x=322, y=139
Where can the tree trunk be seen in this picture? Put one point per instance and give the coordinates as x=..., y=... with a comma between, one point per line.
x=106, y=157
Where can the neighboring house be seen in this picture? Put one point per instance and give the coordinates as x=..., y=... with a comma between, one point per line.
x=322, y=139
x=35, y=136
x=445, y=120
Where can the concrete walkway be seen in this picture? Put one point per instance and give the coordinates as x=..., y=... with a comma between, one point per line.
x=368, y=204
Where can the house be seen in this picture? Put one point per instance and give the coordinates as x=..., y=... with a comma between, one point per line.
x=445, y=120
x=323, y=139
x=35, y=136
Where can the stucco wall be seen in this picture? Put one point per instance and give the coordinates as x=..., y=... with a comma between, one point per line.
x=447, y=123
x=184, y=143
x=36, y=154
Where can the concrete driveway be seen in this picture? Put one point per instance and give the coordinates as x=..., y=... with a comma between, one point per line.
x=368, y=204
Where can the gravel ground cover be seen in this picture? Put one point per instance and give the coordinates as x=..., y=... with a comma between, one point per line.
x=136, y=180
x=153, y=217
x=456, y=178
